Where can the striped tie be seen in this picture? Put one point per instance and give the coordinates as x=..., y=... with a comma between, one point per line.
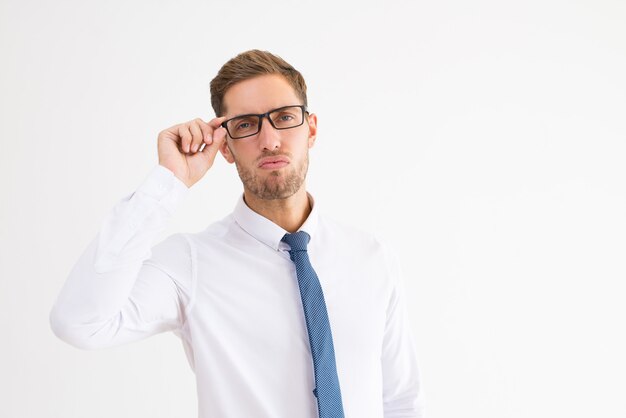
x=327, y=388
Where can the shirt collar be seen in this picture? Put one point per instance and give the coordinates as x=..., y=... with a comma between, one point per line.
x=267, y=231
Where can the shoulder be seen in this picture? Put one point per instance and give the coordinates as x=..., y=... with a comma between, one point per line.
x=215, y=233
x=186, y=243
x=361, y=249
x=344, y=230
x=177, y=252
x=351, y=237
x=174, y=243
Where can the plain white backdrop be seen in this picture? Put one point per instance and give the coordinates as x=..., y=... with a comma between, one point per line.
x=485, y=140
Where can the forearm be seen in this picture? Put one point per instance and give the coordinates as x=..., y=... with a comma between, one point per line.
x=95, y=306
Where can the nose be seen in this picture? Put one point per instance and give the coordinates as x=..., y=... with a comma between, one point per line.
x=269, y=138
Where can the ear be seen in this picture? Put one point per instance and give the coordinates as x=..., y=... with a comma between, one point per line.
x=225, y=150
x=312, y=129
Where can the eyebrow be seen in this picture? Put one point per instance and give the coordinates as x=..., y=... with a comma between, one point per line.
x=257, y=114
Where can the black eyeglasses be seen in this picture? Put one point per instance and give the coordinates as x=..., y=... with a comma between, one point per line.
x=285, y=117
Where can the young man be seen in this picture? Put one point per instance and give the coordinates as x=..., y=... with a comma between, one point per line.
x=282, y=311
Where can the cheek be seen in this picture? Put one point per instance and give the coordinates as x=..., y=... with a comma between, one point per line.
x=243, y=153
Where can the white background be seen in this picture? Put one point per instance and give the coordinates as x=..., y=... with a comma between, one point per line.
x=486, y=140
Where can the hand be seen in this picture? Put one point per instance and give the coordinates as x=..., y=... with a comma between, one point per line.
x=179, y=148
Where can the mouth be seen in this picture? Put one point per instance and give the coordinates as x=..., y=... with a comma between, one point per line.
x=273, y=163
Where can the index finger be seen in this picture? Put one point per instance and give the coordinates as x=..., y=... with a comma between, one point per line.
x=213, y=124
x=216, y=122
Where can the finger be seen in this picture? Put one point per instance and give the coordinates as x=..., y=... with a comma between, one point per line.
x=185, y=137
x=216, y=122
x=210, y=151
x=219, y=136
x=206, y=131
x=212, y=126
x=197, y=137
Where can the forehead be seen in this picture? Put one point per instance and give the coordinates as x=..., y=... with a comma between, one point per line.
x=259, y=94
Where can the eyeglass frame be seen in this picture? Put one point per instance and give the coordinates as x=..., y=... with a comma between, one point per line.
x=262, y=116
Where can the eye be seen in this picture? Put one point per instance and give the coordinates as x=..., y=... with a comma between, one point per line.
x=283, y=117
x=245, y=124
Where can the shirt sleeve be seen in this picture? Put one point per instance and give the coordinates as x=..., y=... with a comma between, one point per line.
x=402, y=389
x=123, y=289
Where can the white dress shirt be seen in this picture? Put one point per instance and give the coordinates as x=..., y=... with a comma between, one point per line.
x=231, y=294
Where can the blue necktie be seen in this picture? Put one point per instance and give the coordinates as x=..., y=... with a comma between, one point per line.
x=327, y=388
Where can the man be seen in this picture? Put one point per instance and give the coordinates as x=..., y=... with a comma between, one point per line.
x=282, y=311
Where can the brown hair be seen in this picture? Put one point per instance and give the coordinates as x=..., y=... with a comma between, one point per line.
x=250, y=64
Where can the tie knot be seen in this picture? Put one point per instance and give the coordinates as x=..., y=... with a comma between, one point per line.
x=297, y=241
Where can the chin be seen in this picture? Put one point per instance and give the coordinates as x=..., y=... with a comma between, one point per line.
x=274, y=188
x=273, y=185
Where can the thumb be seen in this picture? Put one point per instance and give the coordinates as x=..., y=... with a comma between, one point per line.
x=210, y=150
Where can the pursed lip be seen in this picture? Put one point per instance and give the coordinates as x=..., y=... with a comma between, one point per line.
x=273, y=160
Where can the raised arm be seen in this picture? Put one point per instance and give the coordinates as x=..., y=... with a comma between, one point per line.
x=122, y=288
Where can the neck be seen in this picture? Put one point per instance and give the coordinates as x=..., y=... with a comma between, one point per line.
x=289, y=213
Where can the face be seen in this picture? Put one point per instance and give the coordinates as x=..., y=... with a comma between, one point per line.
x=273, y=163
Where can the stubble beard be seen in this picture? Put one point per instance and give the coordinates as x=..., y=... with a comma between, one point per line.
x=278, y=184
